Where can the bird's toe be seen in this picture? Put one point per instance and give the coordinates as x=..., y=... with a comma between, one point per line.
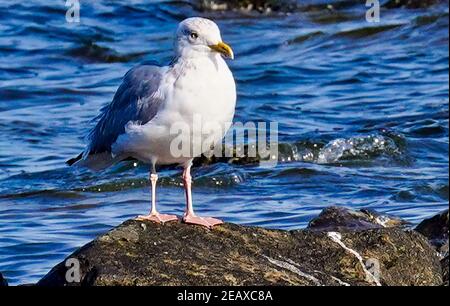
x=208, y=222
x=158, y=218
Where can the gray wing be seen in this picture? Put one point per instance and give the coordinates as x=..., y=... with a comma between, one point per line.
x=137, y=99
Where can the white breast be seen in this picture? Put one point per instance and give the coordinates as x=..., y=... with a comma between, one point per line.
x=200, y=97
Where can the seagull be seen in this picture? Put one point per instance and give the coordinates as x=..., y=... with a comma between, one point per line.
x=156, y=110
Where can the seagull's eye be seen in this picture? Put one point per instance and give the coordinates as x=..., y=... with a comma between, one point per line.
x=194, y=35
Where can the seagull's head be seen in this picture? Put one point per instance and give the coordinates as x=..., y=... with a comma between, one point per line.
x=200, y=36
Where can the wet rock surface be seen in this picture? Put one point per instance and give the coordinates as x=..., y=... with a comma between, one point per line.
x=3, y=281
x=445, y=268
x=289, y=6
x=336, y=218
x=143, y=253
x=436, y=230
x=262, y=6
x=413, y=4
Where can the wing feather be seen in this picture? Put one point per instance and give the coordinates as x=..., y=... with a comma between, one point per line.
x=137, y=99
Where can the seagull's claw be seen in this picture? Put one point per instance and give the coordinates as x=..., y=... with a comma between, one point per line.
x=208, y=222
x=158, y=218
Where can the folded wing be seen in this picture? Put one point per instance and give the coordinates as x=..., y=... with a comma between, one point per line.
x=137, y=100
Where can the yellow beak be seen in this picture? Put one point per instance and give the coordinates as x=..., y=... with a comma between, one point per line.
x=223, y=49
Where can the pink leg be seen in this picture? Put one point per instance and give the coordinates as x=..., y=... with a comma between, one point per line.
x=154, y=215
x=189, y=215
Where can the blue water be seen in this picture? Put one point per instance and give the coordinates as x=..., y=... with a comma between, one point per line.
x=362, y=111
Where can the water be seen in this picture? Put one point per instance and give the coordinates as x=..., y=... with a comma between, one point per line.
x=362, y=111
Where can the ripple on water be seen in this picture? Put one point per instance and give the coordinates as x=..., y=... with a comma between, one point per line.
x=362, y=114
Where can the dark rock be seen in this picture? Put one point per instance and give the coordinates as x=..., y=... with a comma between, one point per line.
x=445, y=267
x=338, y=218
x=436, y=230
x=3, y=282
x=262, y=6
x=289, y=6
x=413, y=4
x=91, y=52
x=230, y=156
x=144, y=253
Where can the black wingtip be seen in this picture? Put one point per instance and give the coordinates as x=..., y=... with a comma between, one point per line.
x=72, y=161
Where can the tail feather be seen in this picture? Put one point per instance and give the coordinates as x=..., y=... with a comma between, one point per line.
x=95, y=162
x=72, y=161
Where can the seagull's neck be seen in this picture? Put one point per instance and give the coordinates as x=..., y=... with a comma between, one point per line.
x=198, y=61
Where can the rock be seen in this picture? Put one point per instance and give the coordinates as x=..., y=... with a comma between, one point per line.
x=90, y=52
x=230, y=156
x=335, y=218
x=445, y=267
x=144, y=253
x=436, y=230
x=413, y=4
x=262, y=6
x=3, y=282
